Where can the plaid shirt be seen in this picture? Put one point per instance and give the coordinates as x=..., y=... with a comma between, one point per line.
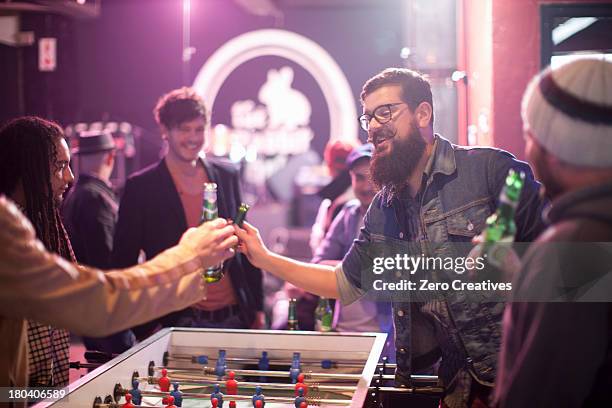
x=48, y=362
x=49, y=355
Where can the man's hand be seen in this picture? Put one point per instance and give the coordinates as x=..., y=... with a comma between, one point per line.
x=213, y=241
x=252, y=245
x=500, y=255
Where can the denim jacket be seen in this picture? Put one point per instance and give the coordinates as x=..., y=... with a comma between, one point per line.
x=460, y=190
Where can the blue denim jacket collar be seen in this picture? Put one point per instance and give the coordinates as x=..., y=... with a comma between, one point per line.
x=442, y=161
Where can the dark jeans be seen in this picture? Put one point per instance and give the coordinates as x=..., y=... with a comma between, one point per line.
x=192, y=317
x=114, y=344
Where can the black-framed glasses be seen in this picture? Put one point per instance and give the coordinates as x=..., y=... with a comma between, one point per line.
x=382, y=114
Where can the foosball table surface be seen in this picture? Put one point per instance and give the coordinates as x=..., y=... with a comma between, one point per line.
x=337, y=369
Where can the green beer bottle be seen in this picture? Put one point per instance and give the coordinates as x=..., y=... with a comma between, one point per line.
x=241, y=215
x=292, y=321
x=501, y=228
x=209, y=213
x=323, y=316
x=501, y=225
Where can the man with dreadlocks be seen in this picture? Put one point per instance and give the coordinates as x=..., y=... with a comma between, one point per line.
x=35, y=172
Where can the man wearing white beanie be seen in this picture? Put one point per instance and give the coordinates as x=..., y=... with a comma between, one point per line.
x=557, y=342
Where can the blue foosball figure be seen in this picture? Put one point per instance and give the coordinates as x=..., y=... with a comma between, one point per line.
x=178, y=396
x=263, y=365
x=300, y=398
x=136, y=395
x=218, y=395
x=259, y=397
x=220, y=366
x=295, y=369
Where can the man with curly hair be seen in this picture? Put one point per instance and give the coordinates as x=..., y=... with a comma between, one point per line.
x=160, y=202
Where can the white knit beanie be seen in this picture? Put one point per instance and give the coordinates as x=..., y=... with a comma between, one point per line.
x=569, y=111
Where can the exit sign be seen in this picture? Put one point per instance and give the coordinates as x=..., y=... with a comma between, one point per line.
x=47, y=54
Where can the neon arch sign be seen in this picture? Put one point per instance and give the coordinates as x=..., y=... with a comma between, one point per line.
x=294, y=47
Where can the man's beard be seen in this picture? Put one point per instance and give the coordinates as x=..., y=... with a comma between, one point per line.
x=395, y=167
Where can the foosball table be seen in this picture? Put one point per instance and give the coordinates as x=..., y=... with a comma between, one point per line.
x=184, y=367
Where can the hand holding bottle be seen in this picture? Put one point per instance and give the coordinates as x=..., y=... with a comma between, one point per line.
x=212, y=241
x=251, y=244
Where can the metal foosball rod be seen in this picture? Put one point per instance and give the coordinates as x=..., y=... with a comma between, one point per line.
x=435, y=391
x=282, y=374
x=326, y=363
x=410, y=390
x=311, y=401
x=265, y=373
x=311, y=386
x=323, y=363
x=192, y=380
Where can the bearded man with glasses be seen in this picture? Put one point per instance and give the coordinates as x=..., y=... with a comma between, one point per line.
x=434, y=196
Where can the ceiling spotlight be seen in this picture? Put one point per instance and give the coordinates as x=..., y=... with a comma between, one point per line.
x=459, y=76
x=81, y=1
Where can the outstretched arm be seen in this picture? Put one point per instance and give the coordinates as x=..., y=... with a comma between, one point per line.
x=317, y=279
x=51, y=290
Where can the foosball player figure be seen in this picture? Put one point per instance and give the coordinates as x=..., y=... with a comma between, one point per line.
x=300, y=398
x=264, y=361
x=136, y=395
x=178, y=396
x=303, y=404
x=231, y=387
x=218, y=395
x=170, y=402
x=214, y=402
x=128, y=401
x=263, y=365
x=259, y=397
x=258, y=404
x=164, y=381
x=221, y=365
x=300, y=384
x=295, y=369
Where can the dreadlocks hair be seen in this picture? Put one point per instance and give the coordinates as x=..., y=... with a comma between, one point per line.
x=27, y=153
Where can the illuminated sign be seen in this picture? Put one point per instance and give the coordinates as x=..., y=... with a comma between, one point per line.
x=282, y=110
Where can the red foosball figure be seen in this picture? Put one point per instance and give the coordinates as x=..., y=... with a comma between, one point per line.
x=231, y=387
x=128, y=401
x=164, y=381
x=170, y=402
x=301, y=384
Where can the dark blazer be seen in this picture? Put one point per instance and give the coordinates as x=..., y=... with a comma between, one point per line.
x=152, y=219
x=90, y=214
